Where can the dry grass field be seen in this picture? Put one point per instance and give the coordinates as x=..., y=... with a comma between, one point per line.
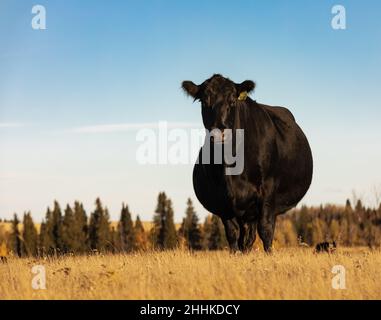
x=293, y=273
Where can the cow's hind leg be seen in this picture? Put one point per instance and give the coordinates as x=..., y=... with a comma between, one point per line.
x=232, y=233
x=248, y=232
x=266, y=227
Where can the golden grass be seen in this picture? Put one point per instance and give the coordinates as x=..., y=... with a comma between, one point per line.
x=291, y=273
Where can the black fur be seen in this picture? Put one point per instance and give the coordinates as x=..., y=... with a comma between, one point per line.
x=325, y=247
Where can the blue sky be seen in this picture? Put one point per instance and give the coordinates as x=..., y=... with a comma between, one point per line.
x=122, y=62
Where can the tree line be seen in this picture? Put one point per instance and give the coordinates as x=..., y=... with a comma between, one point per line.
x=347, y=225
x=72, y=231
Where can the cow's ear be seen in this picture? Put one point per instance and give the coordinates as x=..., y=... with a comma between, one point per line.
x=190, y=88
x=246, y=86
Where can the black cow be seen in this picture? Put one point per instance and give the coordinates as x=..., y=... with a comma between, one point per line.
x=277, y=162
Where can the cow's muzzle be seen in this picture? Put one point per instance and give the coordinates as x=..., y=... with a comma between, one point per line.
x=218, y=136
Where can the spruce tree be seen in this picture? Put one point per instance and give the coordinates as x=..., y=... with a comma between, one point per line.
x=114, y=239
x=359, y=207
x=170, y=236
x=99, y=228
x=126, y=232
x=74, y=230
x=30, y=236
x=80, y=229
x=217, y=239
x=56, y=228
x=140, y=235
x=164, y=230
x=158, y=222
x=190, y=229
x=69, y=240
x=206, y=229
x=15, y=238
x=348, y=206
x=41, y=237
x=46, y=234
x=105, y=231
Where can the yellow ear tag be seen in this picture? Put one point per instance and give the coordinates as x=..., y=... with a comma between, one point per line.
x=242, y=96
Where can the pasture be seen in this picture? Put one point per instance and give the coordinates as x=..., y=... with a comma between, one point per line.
x=289, y=273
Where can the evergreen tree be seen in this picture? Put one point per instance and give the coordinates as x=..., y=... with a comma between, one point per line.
x=158, y=222
x=30, y=236
x=41, y=237
x=206, y=230
x=56, y=227
x=69, y=240
x=105, y=231
x=74, y=229
x=217, y=239
x=359, y=206
x=170, y=238
x=140, y=235
x=348, y=206
x=15, y=238
x=80, y=229
x=164, y=230
x=190, y=229
x=115, y=241
x=126, y=232
x=46, y=234
x=99, y=228
x=371, y=231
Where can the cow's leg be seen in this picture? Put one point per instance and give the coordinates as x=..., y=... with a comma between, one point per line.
x=266, y=227
x=248, y=231
x=232, y=233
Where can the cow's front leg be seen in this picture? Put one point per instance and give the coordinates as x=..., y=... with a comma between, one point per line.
x=232, y=233
x=266, y=227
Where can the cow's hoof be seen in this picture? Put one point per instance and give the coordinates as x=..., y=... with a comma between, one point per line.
x=269, y=251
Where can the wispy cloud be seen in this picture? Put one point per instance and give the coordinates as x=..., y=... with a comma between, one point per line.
x=123, y=127
x=11, y=125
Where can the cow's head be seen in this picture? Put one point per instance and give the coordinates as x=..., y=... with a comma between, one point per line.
x=219, y=97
